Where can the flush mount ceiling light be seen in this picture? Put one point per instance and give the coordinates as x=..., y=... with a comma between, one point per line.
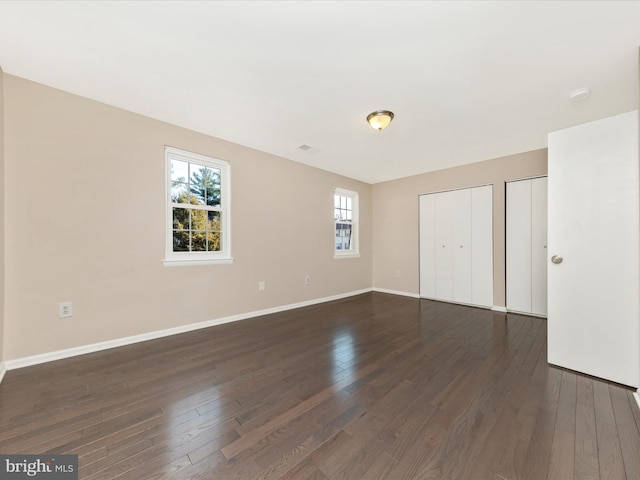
x=380, y=119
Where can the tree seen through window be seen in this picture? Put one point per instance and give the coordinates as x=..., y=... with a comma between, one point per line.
x=196, y=199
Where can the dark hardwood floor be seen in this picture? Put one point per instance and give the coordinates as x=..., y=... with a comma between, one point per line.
x=370, y=387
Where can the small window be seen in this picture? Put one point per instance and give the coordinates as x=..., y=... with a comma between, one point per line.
x=198, y=210
x=345, y=214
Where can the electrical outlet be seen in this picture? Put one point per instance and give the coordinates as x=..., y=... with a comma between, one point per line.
x=65, y=310
x=398, y=273
x=261, y=286
x=307, y=279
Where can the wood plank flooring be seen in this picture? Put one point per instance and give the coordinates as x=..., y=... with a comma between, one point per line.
x=375, y=386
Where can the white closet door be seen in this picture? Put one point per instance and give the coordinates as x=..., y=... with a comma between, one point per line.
x=518, y=247
x=527, y=246
x=444, y=242
x=482, y=245
x=456, y=246
x=427, y=246
x=594, y=308
x=461, y=244
x=539, y=256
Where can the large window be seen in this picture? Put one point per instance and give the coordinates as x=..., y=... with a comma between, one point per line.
x=197, y=209
x=345, y=214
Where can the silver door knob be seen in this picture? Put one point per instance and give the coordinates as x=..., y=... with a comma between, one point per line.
x=556, y=259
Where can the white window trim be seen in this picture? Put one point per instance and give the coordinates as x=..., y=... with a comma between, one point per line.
x=172, y=258
x=355, y=226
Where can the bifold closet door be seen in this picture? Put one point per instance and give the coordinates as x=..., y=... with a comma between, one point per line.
x=527, y=246
x=539, y=250
x=453, y=246
x=461, y=244
x=427, y=246
x=482, y=245
x=444, y=252
x=456, y=246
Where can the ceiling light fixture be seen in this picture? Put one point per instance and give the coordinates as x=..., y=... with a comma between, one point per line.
x=380, y=119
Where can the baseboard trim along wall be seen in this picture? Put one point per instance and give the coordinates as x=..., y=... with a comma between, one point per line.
x=96, y=347
x=637, y=397
x=396, y=292
x=495, y=308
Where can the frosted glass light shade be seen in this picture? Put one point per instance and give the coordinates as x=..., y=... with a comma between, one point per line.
x=380, y=119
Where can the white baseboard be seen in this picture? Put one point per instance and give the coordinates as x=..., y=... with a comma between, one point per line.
x=96, y=347
x=637, y=397
x=498, y=308
x=517, y=312
x=3, y=370
x=396, y=292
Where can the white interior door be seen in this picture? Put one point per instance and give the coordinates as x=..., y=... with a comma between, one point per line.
x=593, y=317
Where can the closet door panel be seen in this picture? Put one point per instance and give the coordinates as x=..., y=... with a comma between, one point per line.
x=482, y=245
x=427, y=246
x=444, y=250
x=518, y=249
x=456, y=246
x=461, y=245
x=539, y=246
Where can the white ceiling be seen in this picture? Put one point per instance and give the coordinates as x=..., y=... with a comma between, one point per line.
x=467, y=81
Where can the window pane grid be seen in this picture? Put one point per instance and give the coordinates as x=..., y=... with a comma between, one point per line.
x=196, y=230
x=196, y=205
x=345, y=217
x=343, y=210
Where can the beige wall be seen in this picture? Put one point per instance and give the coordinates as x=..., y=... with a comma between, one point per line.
x=85, y=223
x=395, y=222
x=1, y=215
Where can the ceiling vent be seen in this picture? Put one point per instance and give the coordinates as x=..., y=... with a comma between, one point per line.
x=308, y=148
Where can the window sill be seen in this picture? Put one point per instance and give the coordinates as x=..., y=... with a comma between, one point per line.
x=337, y=256
x=192, y=262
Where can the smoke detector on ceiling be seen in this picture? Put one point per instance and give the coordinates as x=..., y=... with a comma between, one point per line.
x=579, y=94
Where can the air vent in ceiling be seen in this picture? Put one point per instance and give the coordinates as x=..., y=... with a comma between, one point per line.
x=308, y=148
